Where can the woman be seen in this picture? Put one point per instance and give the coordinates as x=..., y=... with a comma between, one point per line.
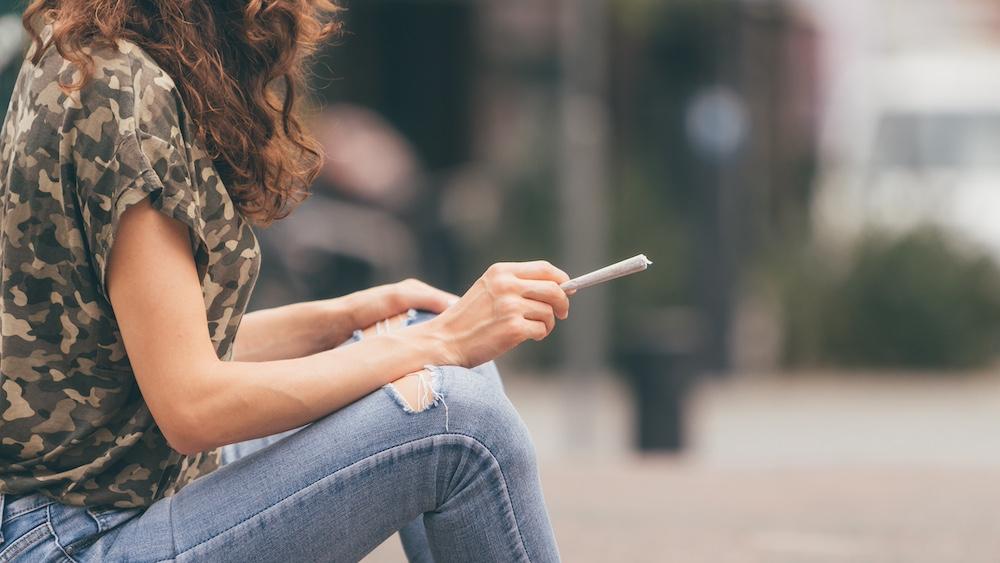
x=143, y=140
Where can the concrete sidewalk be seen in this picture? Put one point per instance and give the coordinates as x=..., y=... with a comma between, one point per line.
x=810, y=468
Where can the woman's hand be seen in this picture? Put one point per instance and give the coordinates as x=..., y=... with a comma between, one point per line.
x=386, y=301
x=510, y=303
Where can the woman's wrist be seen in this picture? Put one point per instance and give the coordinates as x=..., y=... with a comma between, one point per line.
x=438, y=343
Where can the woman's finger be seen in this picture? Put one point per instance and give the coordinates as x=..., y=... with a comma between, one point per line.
x=419, y=295
x=541, y=312
x=538, y=270
x=536, y=330
x=547, y=292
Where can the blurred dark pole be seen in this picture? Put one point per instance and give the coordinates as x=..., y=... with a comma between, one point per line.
x=583, y=206
x=683, y=122
x=716, y=125
x=756, y=148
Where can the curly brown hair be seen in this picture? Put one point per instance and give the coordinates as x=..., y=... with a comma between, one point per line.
x=239, y=66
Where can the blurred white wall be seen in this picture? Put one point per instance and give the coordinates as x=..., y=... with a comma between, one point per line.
x=909, y=117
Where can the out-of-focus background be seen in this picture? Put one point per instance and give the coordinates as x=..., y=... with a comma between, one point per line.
x=807, y=373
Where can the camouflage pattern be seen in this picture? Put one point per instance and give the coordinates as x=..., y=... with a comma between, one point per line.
x=73, y=425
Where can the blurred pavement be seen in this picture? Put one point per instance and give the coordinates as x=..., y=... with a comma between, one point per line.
x=802, y=468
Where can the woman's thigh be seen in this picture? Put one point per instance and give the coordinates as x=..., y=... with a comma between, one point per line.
x=233, y=452
x=340, y=486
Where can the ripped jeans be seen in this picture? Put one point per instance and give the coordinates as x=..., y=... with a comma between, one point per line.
x=331, y=490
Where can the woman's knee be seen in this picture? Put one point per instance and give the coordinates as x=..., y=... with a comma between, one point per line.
x=473, y=401
x=479, y=407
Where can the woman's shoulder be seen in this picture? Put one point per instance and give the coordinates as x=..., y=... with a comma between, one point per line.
x=121, y=76
x=127, y=116
x=144, y=70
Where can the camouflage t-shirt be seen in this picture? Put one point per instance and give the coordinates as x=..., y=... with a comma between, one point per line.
x=73, y=425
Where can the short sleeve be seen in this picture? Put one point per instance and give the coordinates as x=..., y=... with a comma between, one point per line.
x=129, y=147
x=162, y=177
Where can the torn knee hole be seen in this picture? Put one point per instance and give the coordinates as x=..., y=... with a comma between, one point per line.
x=416, y=392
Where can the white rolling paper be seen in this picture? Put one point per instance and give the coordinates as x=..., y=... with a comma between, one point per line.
x=623, y=268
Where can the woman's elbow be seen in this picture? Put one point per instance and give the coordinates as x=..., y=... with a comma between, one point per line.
x=183, y=447
x=184, y=435
x=184, y=429
x=179, y=403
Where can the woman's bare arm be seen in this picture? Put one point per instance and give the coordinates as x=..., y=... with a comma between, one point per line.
x=201, y=402
x=292, y=331
x=301, y=329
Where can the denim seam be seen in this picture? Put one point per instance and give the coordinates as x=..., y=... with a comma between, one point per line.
x=440, y=372
x=506, y=491
x=55, y=536
x=173, y=536
x=503, y=477
x=97, y=518
x=24, y=511
x=23, y=543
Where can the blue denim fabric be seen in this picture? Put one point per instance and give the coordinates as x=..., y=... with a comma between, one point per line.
x=331, y=490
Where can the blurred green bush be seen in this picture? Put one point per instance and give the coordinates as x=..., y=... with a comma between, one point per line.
x=916, y=301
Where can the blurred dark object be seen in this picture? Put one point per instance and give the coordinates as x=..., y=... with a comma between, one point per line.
x=13, y=41
x=915, y=301
x=411, y=62
x=716, y=111
x=661, y=363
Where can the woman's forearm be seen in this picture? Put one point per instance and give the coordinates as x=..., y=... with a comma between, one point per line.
x=302, y=329
x=293, y=331
x=227, y=402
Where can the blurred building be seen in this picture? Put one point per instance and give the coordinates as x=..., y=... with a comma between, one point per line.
x=911, y=125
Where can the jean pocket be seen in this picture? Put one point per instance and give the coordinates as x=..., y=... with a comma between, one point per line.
x=29, y=546
x=19, y=513
x=24, y=522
